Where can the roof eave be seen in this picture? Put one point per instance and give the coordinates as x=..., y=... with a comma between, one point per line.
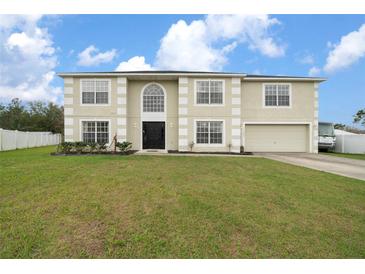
x=298, y=79
x=73, y=74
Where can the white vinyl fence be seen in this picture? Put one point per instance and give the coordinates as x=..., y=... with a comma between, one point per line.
x=350, y=143
x=13, y=139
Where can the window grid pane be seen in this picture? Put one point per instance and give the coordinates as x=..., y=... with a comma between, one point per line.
x=95, y=91
x=209, y=92
x=270, y=95
x=202, y=92
x=102, y=97
x=88, y=129
x=283, y=95
x=216, y=92
x=95, y=131
x=216, y=132
x=102, y=132
x=153, y=99
x=202, y=132
x=209, y=132
x=88, y=97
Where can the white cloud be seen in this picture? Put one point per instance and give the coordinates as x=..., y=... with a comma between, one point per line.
x=187, y=47
x=28, y=91
x=314, y=71
x=204, y=44
x=133, y=64
x=350, y=49
x=250, y=29
x=307, y=59
x=92, y=57
x=27, y=59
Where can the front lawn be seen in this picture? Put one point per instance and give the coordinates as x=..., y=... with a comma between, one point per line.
x=175, y=207
x=346, y=155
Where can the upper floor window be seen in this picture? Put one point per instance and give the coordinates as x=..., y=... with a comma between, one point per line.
x=95, y=91
x=209, y=92
x=277, y=95
x=153, y=99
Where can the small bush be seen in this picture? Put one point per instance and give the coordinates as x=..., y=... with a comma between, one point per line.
x=92, y=147
x=66, y=147
x=124, y=146
x=101, y=147
x=80, y=146
x=83, y=147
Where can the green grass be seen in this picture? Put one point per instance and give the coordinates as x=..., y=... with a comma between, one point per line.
x=346, y=155
x=175, y=207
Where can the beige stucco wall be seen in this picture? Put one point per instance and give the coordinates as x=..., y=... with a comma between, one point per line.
x=80, y=112
x=199, y=112
x=134, y=122
x=302, y=108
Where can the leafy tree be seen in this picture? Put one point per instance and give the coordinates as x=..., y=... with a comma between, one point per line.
x=359, y=117
x=13, y=116
x=32, y=116
x=339, y=126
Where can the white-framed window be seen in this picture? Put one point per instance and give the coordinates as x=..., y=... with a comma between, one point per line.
x=95, y=91
x=209, y=132
x=277, y=95
x=95, y=132
x=153, y=99
x=209, y=92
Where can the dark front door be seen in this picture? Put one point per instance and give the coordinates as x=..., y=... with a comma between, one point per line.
x=153, y=135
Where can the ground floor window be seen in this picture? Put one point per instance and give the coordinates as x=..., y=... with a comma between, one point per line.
x=209, y=132
x=95, y=132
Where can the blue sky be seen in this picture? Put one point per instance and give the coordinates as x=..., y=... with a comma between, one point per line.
x=33, y=48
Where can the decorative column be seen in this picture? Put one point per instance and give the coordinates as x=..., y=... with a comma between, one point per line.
x=68, y=97
x=315, y=121
x=122, y=109
x=236, y=115
x=183, y=114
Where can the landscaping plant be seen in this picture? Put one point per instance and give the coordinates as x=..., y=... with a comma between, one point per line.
x=124, y=146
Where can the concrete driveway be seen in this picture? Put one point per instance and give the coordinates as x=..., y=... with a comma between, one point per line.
x=337, y=165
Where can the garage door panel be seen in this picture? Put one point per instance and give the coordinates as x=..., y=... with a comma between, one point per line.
x=276, y=138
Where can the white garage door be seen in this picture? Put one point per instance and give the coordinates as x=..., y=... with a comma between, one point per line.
x=276, y=138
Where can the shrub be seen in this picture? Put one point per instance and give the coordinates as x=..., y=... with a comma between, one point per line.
x=66, y=147
x=80, y=146
x=124, y=146
x=101, y=147
x=92, y=147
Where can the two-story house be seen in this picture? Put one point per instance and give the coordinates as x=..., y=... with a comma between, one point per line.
x=198, y=111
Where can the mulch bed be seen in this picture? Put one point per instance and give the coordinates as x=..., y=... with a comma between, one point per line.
x=112, y=153
x=209, y=153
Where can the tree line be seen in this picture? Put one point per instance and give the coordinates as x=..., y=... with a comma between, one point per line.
x=31, y=116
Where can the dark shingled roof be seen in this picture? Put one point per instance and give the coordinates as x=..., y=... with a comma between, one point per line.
x=158, y=71
x=277, y=76
x=239, y=74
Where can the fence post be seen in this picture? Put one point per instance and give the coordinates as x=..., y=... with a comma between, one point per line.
x=27, y=139
x=16, y=139
x=1, y=136
x=343, y=143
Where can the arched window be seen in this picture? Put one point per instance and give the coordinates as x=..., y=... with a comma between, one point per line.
x=153, y=99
